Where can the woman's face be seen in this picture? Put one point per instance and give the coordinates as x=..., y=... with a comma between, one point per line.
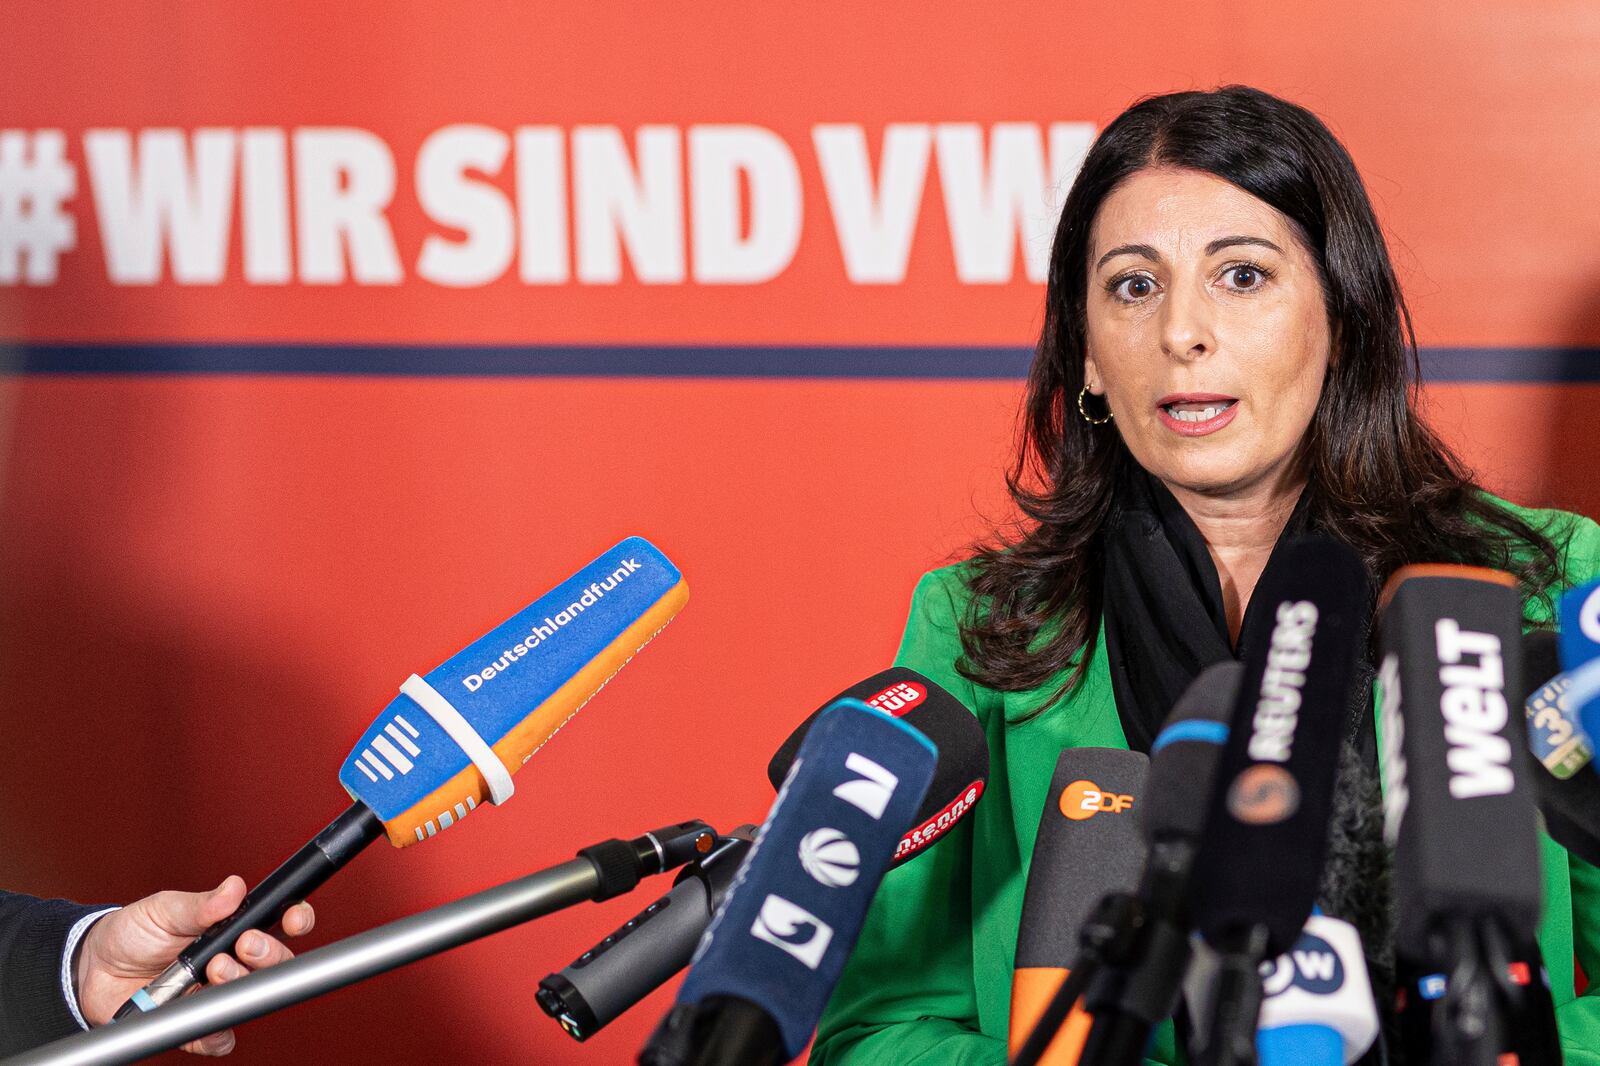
x=1207, y=332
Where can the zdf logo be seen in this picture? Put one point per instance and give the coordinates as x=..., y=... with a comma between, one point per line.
x=1085, y=799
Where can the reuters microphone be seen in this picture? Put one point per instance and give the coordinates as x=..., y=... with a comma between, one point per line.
x=1257, y=871
x=451, y=740
x=655, y=944
x=774, y=952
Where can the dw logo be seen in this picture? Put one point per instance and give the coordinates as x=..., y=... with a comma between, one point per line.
x=793, y=929
x=871, y=791
x=1313, y=965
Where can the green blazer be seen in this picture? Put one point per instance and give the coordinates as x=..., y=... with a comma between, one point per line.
x=930, y=979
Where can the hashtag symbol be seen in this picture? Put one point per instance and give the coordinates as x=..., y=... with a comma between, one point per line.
x=33, y=188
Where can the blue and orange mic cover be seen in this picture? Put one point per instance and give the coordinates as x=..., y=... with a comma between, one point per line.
x=453, y=737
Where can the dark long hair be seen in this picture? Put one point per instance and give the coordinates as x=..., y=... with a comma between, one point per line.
x=1379, y=478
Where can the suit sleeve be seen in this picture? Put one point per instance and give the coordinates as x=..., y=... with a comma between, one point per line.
x=907, y=993
x=33, y=937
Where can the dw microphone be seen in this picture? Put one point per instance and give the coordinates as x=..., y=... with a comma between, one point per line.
x=451, y=740
x=773, y=953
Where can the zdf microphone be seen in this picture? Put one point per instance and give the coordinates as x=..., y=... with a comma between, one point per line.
x=453, y=738
x=774, y=952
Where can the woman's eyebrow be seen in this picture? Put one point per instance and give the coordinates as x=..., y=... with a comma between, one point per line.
x=1226, y=242
x=1131, y=249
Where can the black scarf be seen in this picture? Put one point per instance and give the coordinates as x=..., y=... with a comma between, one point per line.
x=1165, y=618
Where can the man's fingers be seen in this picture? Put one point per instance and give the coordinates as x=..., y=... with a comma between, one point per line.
x=191, y=913
x=222, y=969
x=255, y=949
x=215, y=1044
x=298, y=920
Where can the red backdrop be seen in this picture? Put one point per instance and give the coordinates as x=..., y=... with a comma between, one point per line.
x=217, y=568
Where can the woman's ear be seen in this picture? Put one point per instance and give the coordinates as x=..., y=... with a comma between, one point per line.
x=1091, y=375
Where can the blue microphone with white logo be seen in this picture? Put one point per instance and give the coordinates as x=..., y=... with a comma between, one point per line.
x=1317, y=1007
x=771, y=957
x=1580, y=653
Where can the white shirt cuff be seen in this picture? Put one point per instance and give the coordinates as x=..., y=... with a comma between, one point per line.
x=69, y=992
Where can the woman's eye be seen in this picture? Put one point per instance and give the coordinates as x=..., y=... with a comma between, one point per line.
x=1136, y=287
x=1245, y=277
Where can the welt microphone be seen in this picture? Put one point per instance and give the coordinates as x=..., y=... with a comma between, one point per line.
x=655, y=944
x=451, y=740
x=1460, y=817
x=775, y=950
x=1266, y=836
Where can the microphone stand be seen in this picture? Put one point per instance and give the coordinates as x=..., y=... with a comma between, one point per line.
x=602, y=871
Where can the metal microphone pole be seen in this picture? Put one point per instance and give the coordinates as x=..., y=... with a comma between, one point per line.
x=603, y=871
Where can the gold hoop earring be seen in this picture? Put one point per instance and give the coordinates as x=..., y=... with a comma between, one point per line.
x=1084, y=411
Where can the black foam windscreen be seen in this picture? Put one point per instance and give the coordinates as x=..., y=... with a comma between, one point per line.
x=1541, y=660
x=1184, y=756
x=1088, y=845
x=1457, y=807
x=963, y=767
x=1266, y=832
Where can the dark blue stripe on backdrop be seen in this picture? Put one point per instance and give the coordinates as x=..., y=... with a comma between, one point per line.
x=1553, y=365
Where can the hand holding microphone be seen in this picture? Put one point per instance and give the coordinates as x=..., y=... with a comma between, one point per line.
x=452, y=739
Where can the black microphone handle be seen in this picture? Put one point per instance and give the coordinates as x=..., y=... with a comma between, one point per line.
x=739, y=1034
x=1237, y=1011
x=264, y=906
x=652, y=946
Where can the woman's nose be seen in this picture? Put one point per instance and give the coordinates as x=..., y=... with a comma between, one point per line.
x=1186, y=324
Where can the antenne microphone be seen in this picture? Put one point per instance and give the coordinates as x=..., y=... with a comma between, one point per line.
x=655, y=944
x=1259, y=863
x=1452, y=657
x=774, y=952
x=452, y=739
x=1088, y=848
x=1145, y=933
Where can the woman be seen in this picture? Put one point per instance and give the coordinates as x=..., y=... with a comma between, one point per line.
x=1226, y=360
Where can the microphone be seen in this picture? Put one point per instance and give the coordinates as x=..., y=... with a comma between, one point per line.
x=1451, y=645
x=1580, y=645
x=645, y=952
x=963, y=753
x=774, y=952
x=1568, y=799
x=452, y=740
x=1317, y=1007
x=1140, y=942
x=655, y=944
x=1088, y=847
x=1259, y=863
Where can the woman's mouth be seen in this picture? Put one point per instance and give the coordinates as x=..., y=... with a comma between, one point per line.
x=1196, y=416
